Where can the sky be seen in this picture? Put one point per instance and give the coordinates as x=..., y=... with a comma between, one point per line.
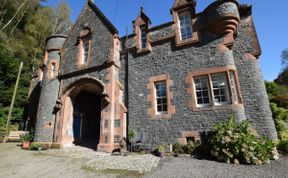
x=270, y=18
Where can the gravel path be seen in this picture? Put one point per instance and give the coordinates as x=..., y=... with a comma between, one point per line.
x=81, y=162
x=191, y=167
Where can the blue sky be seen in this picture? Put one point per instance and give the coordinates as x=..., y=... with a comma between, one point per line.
x=269, y=18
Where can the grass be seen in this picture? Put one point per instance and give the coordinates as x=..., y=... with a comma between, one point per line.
x=118, y=172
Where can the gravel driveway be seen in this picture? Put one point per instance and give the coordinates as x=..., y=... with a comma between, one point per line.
x=79, y=162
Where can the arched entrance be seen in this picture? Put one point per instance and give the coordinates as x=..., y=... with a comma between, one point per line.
x=80, y=123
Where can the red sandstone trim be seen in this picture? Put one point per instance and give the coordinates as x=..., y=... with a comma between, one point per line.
x=192, y=134
x=49, y=69
x=152, y=97
x=191, y=103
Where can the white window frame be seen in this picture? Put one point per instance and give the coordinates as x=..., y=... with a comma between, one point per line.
x=185, y=14
x=208, y=90
x=225, y=94
x=233, y=86
x=231, y=92
x=161, y=97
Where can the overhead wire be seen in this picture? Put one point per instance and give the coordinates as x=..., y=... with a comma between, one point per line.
x=116, y=10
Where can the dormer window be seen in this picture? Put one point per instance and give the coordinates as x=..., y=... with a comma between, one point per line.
x=185, y=26
x=143, y=40
x=185, y=18
x=141, y=29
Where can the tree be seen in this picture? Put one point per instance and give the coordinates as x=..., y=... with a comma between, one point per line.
x=282, y=79
x=61, y=19
x=284, y=57
x=24, y=26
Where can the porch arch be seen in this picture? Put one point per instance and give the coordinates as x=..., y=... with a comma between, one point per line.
x=75, y=95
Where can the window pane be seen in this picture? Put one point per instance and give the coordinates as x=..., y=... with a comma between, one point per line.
x=202, y=93
x=143, y=37
x=161, y=96
x=220, y=89
x=185, y=26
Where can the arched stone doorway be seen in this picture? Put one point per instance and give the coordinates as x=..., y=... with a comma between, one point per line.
x=80, y=119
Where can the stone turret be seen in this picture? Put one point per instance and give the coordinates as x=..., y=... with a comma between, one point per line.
x=50, y=88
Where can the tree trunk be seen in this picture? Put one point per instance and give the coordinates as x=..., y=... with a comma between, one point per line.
x=16, y=13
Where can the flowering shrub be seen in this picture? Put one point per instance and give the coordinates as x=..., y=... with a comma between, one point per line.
x=236, y=143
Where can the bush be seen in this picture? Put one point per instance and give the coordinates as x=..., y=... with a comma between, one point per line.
x=132, y=134
x=280, y=116
x=35, y=146
x=189, y=148
x=234, y=142
x=177, y=149
x=283, y=146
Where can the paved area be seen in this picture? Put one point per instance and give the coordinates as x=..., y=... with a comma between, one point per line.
x=82, y=162
x=71, y=162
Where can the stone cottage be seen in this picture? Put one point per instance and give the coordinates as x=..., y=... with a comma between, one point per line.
x=170, y=82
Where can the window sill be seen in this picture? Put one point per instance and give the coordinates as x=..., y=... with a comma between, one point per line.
x=218, y=107
x=194, y=39
x=144, y=50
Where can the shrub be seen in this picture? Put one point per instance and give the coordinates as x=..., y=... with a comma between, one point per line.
x=234, y=142
x=283, y=145
x=132, y=134
x=189, y=148
x=177, y=149
x=161, y=149
x=35, y=146
x=280, y=116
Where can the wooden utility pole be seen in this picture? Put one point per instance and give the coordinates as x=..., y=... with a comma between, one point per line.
x=14, y=95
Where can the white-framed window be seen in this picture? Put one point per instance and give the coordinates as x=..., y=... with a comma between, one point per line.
x=85, y=51
x=202, y=91
x=161, y=97
x=143, y=37
x=213, y=89
x=220, y=88
x=234, y=92
x=185, y=27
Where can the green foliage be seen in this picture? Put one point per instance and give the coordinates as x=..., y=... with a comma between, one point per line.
x=187, y=149
x=277, y=93
x=280, y=116
x=26, y=137
x=132, y=134
x=16, y=116
x=24, y=26
x=234, y=142
x=283, y=145
x=177, y=148
x=161, y=149
x=190, y=147
x=35, y=146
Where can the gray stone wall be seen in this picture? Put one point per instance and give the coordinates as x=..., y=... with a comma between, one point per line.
x=253, y=90
x=49, y=94
x=100, y=74
x=102, y=41
x=165, y=59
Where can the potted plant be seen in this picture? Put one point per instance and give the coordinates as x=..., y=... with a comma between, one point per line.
x=131, y=135
x=161, y=151
x=26, y=139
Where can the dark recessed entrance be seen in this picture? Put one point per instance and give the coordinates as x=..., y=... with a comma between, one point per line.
x=86, y=119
